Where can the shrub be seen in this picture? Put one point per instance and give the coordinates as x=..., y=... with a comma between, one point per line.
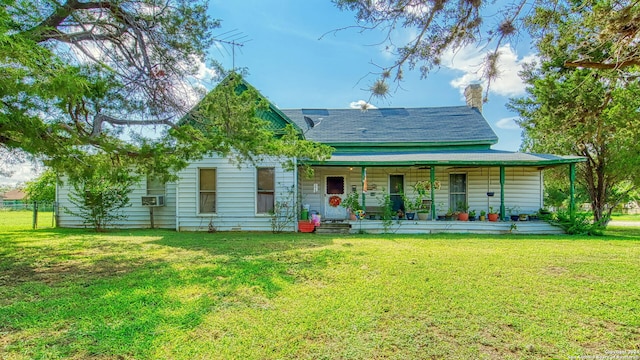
x=98, y=198
x=579, y=224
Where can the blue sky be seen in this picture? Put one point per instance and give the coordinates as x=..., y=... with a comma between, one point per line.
x=294, y=67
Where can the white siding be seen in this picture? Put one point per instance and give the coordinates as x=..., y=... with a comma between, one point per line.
x=137, y=216
x=523, y=186
x=235, y=196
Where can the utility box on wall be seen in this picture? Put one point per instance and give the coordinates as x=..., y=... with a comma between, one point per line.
x=153, y=200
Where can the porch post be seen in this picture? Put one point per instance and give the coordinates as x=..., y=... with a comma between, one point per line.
x=432, y=171
x=363, y=176
x=572, y=190
x=502, y=209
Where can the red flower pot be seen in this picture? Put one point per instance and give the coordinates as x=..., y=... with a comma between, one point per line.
x=306, y=226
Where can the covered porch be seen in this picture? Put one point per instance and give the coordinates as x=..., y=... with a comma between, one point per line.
x=436, y=183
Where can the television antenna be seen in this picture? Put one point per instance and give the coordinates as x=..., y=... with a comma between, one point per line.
x=231, y=39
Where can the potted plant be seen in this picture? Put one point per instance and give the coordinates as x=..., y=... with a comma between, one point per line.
x=449, y=215
x=463, y=214
x=472, y=215
x=514, y=213
x=412, y=205
x=439, y=210
x=423, y=213
x=493, y=216
x=483, y=215
x=352, y=203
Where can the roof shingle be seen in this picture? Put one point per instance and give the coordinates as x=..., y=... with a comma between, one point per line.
x=409, y=125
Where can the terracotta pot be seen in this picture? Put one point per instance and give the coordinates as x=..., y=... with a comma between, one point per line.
x=493, y=217
x=306, y=226
x=463, y=216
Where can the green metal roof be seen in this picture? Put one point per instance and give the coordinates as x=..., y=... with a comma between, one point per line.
x=448, y=158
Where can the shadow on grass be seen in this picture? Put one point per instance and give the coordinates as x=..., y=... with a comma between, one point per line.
x=73, y=293
x=622, y=233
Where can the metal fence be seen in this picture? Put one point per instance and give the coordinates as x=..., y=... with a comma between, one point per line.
x=21, y=206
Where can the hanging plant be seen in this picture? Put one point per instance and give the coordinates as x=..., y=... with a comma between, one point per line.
x=335, y=201
x=424, y=186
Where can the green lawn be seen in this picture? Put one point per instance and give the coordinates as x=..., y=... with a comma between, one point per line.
x=623, y=217
x=166, y=295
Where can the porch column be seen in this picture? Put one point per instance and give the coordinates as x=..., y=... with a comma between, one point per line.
x=363, y=176
x=432, y=171
x=572, y=190
x=502, y=209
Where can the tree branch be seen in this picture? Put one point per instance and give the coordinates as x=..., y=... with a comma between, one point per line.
x=101, y=118
x=601, y=66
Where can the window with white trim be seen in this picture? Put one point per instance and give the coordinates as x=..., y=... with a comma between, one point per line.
x=457, y=191
x=155, y=185
x=207, y=190
x=266, y=190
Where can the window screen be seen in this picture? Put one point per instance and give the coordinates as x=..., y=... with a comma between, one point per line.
x=266, y=190
x=207, y=189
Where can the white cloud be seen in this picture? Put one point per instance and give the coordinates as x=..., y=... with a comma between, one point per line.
x=470, y=61
x=508, y=123
x=21, y=173
x=205, y=73
x=362, y=105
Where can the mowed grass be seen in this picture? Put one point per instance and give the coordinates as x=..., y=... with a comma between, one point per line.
x=165, y=295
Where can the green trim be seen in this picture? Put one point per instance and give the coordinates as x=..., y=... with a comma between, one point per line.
x=434, y=145
x=363, y=176
x=432, y=178
x=572, y=190
x=502, y=181
x=444, y=163
x=277, y=119
x=284, y=117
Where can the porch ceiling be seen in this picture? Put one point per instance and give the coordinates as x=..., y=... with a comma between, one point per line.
x=447, y=158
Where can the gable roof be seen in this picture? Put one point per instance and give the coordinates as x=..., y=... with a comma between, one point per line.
x=437, y=126
x=276, y=120
x=14, y=194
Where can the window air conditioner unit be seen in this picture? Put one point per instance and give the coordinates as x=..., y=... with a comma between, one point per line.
x=153, y=200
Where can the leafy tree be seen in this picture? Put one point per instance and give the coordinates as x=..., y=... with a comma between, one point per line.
x=99, y=197
x=587, y=112
x=77, y=74
x=228, y=121
x=73, y=72
x=42, y=189
x=442, y=26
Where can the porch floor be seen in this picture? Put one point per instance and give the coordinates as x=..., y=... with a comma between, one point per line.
x=471, y=227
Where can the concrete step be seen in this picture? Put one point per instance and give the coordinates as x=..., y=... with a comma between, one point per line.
x=333, y=228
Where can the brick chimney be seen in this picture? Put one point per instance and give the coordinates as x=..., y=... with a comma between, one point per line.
x=473, y=95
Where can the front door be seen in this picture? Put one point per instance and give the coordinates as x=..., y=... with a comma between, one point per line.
x=396, y=191
x=333, y=197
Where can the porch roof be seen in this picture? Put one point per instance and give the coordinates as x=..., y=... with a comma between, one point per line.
x=444, y=158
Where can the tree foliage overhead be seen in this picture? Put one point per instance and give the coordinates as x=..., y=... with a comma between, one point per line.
x=76, y=75
x=74, y=72
x=584, y=111
x=442, y=26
